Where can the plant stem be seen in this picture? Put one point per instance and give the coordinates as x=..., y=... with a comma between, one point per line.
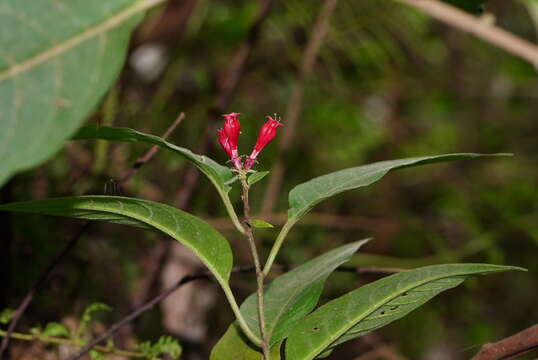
x=259, y=274
x=240, y=319
x=74, y=343
x=231, y=212
x=278, y=243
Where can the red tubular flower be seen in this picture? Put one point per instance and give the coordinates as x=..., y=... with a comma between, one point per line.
x=228, y=137
x=232, y=129
x=267, y=133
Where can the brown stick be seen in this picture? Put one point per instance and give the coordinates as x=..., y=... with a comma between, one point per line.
x=38, y=284
x=148, y=155
x=291, y=117
x=471, y=24
x=511, y=347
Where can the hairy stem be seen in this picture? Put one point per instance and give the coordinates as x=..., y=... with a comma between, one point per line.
x=276, y=246
x=259, y=274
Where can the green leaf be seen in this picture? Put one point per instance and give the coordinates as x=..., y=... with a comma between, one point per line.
x=6, y=315
x=375, y=305
x=219, y=175
x=293, y=295
x=257, y=176
x=97, y=355
x=234, y=345
x=201, y=238
x=166, y=345
x=55, y=329
x=304, y=196
x=57, y=59
x=261, y=224
x=92, y=309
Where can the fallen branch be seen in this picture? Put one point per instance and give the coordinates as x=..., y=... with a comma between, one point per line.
x=488, y=32
x=511, y=347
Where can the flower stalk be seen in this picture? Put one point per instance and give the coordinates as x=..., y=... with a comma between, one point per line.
x=260, y=277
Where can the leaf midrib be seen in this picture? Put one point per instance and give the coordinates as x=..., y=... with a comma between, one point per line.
x=383, y=302
x=70, y=43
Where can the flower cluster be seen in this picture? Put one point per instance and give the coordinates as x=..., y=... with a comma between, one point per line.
x=229, y=135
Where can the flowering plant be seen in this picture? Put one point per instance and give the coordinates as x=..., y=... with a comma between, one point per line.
x=282, y=316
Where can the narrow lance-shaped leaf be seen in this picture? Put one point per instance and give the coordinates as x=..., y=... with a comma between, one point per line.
x=375, y=305
x=219, y=175
x=291, y=296
x=206, y=242
x=234, y=345
x=57, y=59
x=304, y=196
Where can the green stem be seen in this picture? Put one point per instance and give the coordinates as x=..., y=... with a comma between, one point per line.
x=278, y=243
x=74, y=343
x=240, y=319
x=231, y=212
x=259, y=274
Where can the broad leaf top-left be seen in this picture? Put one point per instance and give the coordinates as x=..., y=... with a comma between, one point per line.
x=57, y=60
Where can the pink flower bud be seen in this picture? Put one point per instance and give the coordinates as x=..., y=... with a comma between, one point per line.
x=267, y=133
x=232, y=129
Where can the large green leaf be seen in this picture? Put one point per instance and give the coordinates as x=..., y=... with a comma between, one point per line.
x=375, y=305
x=205, y=241
x=304, y=196
x=219, y=175
x=294, y=294
x=234, y=345
x=57, y=59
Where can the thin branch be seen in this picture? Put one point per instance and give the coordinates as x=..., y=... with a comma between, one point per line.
x=511, y=347
x=316, y=219
x=488, y=32
x=206, y=274
x=38, y=285
x=148, y=155
x=232, y=79
x=136, y=313
x=295, y=105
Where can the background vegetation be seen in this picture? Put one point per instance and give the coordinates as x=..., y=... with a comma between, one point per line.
x=389, y=82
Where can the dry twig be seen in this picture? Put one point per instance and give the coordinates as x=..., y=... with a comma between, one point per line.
x=511, y=347
x=481, y=29
x=291, y=117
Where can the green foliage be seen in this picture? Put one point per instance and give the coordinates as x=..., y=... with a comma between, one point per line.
x=55, y=329
x=304, y=196
x=261, y=224
x=257, y=176
x=375, y=305
x=234, y=345
x=6, y=315
x=54, y=70
x=204, y=240
x=165, y=346
x=294, y=294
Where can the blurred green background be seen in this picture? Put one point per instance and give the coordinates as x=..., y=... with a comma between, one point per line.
x=389, y=82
